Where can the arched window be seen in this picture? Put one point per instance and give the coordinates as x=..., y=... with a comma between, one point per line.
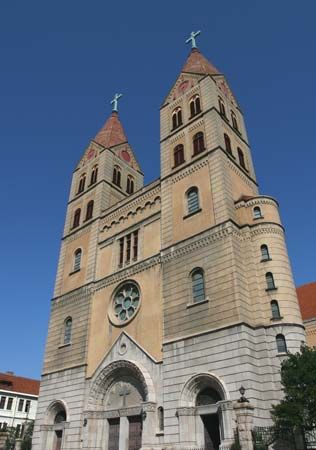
x=193, y=200
x=130, y=184
x=270, y=281
x=281, y=343
x=117, y=176
x=198, y=290
x=77, y=260
x=265, y=256
x=228, y=145
x=176, y=118
x=257, y=213
x=82, y=182
x=94, y=175
x=234, y=120
x=195, y=105
x=60, y=417
x=178, y=155
x=221, y=107
x=161, y=425
x=208, y=396
x=275, y=310
x=67, y=330
x=89, y=212
x=198, y=143
x=76, y=221
x=241, y=158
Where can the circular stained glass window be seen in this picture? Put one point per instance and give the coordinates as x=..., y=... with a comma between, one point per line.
x=125, y=303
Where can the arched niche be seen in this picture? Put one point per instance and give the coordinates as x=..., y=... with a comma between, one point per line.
x=206, y=384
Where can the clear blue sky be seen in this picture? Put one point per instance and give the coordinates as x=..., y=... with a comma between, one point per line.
x=62, y=61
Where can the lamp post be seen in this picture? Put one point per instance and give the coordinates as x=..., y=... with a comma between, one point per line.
x=242, y=399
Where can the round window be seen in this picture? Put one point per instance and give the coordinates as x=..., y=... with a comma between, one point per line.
x=125, y=303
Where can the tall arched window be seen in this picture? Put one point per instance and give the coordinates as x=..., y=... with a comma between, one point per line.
x=176, y=118
x=198, y=290
x=275, y=310
x=195, y=105
x=234, y=120
x=67, y=330
x=178, y=155
x=228, y=145
x=198, y=143
x=270, y=281
x=241, y=158
x=94, y=175
x=265, y=256
x=161, y=418
x=117, y=176
x=77, y=260
x=89, y=212
x=257, y=213
x=76, y=221
x=281, y=343
x=130, y=184
x=82, y=182
x=193, y=200
x=221, y=107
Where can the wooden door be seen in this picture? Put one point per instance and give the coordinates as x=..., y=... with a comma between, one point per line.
x=135, y=433
x=114, y=434
x=211, y=432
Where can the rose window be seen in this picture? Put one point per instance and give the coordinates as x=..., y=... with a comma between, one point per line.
x=126, y=302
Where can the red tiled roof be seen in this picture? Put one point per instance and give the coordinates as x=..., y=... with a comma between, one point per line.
x=307, y=300
x=197, y=63
x=10, y=382
x=112, y=132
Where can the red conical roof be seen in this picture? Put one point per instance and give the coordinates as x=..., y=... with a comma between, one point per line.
x=112, y=132
x=197, y=63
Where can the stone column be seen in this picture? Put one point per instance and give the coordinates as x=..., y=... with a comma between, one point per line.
x=149, y=413
x=244, y=413
x=187, y=424
x=225, y=409
x=124, y=432
x=18, y=443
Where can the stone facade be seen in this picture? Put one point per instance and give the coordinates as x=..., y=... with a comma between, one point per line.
x=170, y=296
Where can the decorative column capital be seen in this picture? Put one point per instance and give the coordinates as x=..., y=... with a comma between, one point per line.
x=186, y=411
x=149, y=406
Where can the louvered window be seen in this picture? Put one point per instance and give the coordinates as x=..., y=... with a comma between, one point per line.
x=275, y=310
x=198, y=291
x=193, y=200
x=265, y=256
x=281, y=343
x=270, y=281
x=77, y=260
x=67, y=330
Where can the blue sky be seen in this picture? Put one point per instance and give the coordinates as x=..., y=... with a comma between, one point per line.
x=62, y=61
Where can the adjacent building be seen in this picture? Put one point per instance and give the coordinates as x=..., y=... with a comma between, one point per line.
x=307, y=300
x=171, y=296
x=18, y=401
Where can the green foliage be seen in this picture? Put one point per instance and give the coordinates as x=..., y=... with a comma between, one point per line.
x=298, y=408
x=10, y=441
x=27, y=438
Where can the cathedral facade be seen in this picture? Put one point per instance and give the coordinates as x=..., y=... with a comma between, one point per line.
x=170, y=298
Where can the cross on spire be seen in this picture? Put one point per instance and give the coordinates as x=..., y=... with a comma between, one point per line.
x=114, y=102
x=192, y=39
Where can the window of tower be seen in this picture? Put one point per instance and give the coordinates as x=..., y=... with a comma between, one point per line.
x=275, y=310
x=221, y=107
x=195, y=106
x=198, y=289
x=193, y=200
x=234, y=121
x=76, y=221
x=94, y=175
x=228, y=145
x=270, y=281
x=265, y=255
x=89, y=212
x=161, y=419
x=198, y=143
x=178, y=155
x=257, y=213
x=281, y=343
x=67, y=330
x=128, y=248
x=116, y=179
x=130, y=184
x=125, y=303
x=176, y=118
x=77, y=260
x=82, y=182
x=241, y=158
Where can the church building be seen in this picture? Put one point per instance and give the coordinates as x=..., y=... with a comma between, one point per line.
x=174, y=302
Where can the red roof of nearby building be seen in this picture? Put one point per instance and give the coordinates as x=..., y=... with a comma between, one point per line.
x=197, y=63
x=307, y=300
x=112, y=132
x=10, y=382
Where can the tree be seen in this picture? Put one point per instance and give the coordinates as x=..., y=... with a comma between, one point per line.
x=27, y=438
x=298, y=408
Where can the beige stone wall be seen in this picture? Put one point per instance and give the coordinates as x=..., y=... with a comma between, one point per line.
x=269, y=210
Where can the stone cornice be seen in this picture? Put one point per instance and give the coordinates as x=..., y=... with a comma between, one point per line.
x=189, y=170
x=257, y=200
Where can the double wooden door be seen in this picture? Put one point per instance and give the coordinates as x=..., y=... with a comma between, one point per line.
x=134, y=433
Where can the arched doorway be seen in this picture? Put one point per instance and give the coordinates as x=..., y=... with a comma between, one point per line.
x=56, y=418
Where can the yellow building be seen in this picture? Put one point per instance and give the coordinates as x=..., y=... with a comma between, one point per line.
x=169, y=296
